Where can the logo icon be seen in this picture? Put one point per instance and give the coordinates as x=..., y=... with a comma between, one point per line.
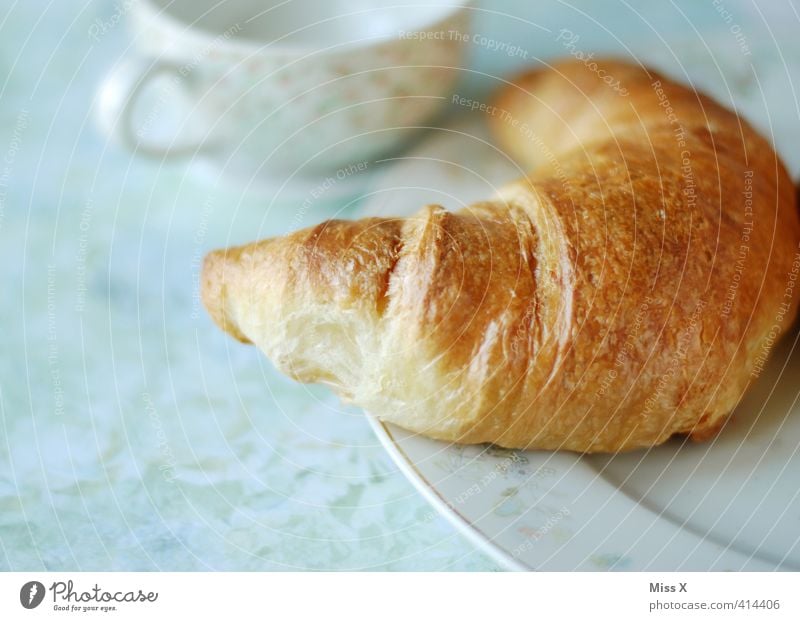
x=31, y=594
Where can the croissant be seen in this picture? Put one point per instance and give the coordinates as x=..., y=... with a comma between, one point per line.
x=628, y=289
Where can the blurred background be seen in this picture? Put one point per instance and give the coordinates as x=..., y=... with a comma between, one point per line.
x=134, y=435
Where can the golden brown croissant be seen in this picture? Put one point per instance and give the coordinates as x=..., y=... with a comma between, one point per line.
x=629, y=289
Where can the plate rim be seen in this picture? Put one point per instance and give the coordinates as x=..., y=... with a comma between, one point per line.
x=462, y=525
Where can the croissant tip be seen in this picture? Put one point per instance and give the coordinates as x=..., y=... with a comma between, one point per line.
x=216, y=276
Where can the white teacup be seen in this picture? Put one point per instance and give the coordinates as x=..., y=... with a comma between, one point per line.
x=267, y=87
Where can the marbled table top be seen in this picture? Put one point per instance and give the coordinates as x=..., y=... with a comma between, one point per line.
x=134, y=435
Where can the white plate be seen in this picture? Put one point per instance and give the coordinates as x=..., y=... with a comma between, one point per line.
x=731, y=504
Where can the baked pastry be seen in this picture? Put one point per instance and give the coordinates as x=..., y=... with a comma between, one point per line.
x=630, y=288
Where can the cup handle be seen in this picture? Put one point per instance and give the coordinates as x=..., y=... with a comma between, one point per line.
x=116, y=102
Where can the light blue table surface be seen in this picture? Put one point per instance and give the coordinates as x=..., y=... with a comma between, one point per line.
x=134, y=435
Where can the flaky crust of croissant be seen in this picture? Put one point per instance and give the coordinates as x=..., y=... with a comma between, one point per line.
x=630, y=288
